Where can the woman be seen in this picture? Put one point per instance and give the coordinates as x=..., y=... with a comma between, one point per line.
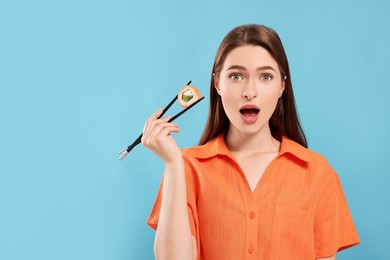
x=251, y=189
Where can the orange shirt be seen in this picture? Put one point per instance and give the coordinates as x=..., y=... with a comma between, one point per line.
x=297, y=210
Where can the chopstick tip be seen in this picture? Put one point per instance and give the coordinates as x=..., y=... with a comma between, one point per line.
x=123, y=155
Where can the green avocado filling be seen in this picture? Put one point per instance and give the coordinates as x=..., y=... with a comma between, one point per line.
x=186, y=98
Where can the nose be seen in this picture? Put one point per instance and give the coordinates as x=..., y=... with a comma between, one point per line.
x=249, y=91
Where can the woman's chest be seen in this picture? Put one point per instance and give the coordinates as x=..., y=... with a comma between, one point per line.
x=236, y=219
x=253, y=167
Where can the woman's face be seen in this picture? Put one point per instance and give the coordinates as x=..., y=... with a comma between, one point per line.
x=250, y=85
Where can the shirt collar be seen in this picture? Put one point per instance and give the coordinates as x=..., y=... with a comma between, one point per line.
x=217, y=146
x=289, y=146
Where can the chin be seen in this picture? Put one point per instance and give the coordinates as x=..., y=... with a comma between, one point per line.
x=249, y=129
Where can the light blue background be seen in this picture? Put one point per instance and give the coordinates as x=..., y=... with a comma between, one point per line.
x=79, y=78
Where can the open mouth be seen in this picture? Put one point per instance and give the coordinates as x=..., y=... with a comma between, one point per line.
x=249, y=112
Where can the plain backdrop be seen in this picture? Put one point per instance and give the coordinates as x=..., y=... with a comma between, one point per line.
x=79, y=78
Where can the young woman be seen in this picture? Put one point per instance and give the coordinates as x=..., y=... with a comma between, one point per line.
x=251, y=189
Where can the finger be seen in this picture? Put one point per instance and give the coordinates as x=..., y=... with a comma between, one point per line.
x=167, y=118
x=160, y=128
x=164, y=137
x=154, y=128
x=156, y=122
x=170, y=129
x=157, y=113
x=152, y=118
x=159, y=135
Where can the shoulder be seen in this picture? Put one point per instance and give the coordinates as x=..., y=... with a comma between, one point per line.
x=308, y=162
x=314, y=168
x=212, y=148
x=320, y=162
x=318, y=159
x=192, y=155
x=312, y=158
x=192, y=152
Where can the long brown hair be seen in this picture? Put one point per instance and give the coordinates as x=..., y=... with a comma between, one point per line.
x=285, y=119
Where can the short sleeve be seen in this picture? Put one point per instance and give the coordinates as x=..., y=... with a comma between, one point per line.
x=153, y=218
x=334, y=229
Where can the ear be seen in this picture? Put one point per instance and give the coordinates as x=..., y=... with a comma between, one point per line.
x=283, y=86
x=216, y=86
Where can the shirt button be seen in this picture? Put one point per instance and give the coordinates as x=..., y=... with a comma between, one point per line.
x=251, y=249
x=252, y=215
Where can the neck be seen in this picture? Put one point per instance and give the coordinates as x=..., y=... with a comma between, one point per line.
x=259, y=142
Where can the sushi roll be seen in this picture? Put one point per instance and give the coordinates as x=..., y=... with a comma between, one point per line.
x=188, y=95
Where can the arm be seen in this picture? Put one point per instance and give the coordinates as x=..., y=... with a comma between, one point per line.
x=328, y=258
x=173, y=235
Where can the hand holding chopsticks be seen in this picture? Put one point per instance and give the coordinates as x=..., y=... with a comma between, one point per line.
x=186, y=97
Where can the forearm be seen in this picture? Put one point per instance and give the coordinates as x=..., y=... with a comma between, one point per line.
x=173, y=237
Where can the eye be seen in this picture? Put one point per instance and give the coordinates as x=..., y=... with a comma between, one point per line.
x=235, y=77
x=266, y=77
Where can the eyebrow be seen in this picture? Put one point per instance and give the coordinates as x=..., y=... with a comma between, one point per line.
x=238, y=67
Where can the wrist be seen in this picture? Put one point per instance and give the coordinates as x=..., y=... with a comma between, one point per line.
x=176, y=165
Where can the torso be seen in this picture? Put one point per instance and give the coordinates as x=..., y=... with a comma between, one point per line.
x=254, y=165
x=281, y=213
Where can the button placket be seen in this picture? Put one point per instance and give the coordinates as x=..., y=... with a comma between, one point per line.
x=251, y=220
x=253, y=226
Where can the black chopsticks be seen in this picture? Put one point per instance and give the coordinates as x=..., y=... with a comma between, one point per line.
x=126, y=151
